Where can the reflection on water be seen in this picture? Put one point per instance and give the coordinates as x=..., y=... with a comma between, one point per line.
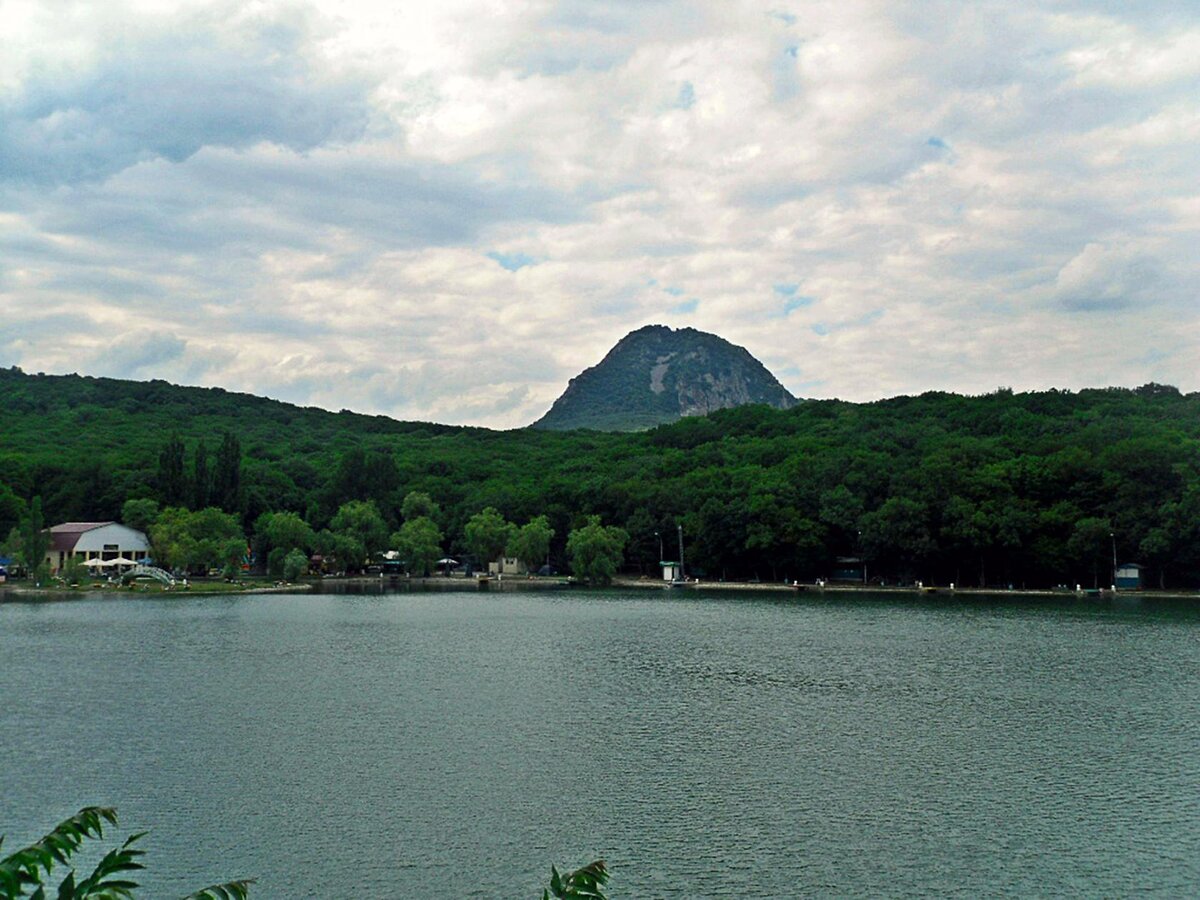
x=455, y=743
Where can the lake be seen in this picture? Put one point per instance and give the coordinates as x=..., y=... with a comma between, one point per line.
x=455, y=744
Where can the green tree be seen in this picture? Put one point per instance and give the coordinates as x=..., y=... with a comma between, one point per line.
x=139, y=513
x=11, y=545
x=897, y=535
x=201, y=480
x=275, y=561
x=1157, y=549
x=74, y=571
x=12, y=509
x=361, y=531
x=171, y=539
x=531, y=542
x=208, y=538
x=172, y=482
x=363, y=475
x=487, y=534
x=596, y=550
x=294, y=565
x=227, y=474
x=285, y=530
x=231, y=555
x=1090, y=544
x=33, y=867
x=218, y=535
x=419, y=542
x=417, y=504
x=35, y=541
x=841, y=508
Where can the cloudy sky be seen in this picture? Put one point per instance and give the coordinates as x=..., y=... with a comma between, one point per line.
x=443, y=210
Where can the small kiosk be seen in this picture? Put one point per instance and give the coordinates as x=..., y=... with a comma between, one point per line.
x=1128, y=577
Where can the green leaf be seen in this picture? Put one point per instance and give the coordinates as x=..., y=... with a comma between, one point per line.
x=66, y=890
x=238, y=889
x=29, y=865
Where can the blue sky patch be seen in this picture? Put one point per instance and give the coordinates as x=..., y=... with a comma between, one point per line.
x=687, y=96
x=512, y=261
x=674, y=291
x=687, y=306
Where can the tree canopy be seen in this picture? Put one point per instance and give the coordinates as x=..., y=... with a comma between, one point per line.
x=487, y=535
x=596, y=550
x=419, y=543
x=993, y=489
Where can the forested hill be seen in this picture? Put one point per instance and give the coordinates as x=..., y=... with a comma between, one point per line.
x=1013, y=488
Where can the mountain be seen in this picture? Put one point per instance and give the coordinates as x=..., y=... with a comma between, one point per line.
x=657, y=375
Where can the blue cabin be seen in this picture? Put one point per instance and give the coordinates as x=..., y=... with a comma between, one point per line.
x=849, y=568
x=1128, y=576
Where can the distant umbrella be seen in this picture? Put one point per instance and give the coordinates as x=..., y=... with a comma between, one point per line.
x=447, y=561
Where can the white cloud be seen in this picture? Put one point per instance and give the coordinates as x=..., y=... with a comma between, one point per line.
x=445, y=210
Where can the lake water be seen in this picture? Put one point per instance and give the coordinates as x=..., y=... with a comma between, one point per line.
x=456, y=744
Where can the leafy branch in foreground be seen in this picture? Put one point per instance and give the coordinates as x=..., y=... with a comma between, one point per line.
x=31, y=867
x=230, y=890
x=581, y=884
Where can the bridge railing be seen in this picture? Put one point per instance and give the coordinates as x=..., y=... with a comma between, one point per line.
x=152, y=572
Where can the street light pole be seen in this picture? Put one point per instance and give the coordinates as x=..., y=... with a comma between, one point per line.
x=1112, y=537
x=863, y=557
x=682, y=575
x=660, y=546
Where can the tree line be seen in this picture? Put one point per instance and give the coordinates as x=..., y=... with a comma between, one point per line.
x=1029, y=489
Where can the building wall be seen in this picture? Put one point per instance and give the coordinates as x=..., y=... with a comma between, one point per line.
x=1129, y=577
x=509, y=565
x=99, y=541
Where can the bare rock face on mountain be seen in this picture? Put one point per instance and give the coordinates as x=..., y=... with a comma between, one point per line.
x=656, y=375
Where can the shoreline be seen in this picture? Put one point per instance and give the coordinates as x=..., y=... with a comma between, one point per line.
x=11, y=591
x=925, y=590
x=193, y=589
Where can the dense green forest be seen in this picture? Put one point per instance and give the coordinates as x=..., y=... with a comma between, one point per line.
x=1027, y=489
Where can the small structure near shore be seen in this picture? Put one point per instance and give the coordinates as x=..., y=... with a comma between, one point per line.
x=671, y=571
x=850, y=569
x=507, y=565
x=1128, y=576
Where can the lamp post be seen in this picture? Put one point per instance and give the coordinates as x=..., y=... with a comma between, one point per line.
x=682, y=575
x=1112, y=537
x=863, y=557
x=660, y=546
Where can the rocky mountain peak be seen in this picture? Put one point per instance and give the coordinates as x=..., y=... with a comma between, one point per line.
x=657, y=374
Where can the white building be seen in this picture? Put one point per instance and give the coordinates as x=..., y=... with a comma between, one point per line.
x=507, y=565
x=94, y=540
